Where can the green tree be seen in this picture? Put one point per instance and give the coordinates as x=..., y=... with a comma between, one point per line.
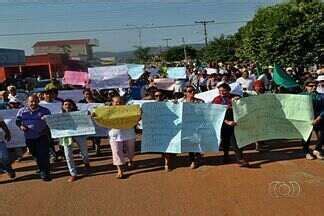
x=221, y=49
x=287, y=34
x=177, y=53
x=142, y=54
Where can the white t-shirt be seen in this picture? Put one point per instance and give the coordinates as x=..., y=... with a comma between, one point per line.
x=119, y=135
x=245, y=83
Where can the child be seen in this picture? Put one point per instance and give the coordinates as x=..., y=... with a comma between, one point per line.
x=122, y=142
x=4, y=156
x=69, y=106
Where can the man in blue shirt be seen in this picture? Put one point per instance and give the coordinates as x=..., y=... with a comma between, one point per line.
x=30, y=119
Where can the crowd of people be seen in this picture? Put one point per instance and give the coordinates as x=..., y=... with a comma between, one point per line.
x=30, y=117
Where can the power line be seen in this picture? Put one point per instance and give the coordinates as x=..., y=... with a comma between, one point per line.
x=204, y=23
x=112, y=29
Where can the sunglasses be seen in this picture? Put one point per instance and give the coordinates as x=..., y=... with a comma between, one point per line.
x=311, y=86
x=158, y=95
x=190, y=91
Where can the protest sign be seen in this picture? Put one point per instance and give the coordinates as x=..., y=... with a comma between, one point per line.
x=70, y=124
x=53, y=107
x=182, y=127
x=121, y=117
x=75, y=94
x=211, y=71
x=177, y=73
x=140, y=103
x=270, y=116
x=165, y=84
x=135, y=71
x=100, y=131
x=109, y=77
x=208, y=96
x=76, y=78
x=17, y=136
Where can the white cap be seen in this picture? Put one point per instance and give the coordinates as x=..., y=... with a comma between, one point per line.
x=289, y=68
x=320, y=78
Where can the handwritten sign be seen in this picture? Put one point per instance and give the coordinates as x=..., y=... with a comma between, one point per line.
x=109, y=77
x=76, y=78
x=120, y=117
x=211, y=71
x=270, y=116
x=76, y=94
x=165, y=84
x=209, y=96
x=177, y=73
x=135, y=71
x=183, y=127
x=17, y=136
x=70, y=124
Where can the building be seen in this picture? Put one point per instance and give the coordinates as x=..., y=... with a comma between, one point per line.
x=81, y=49
x=45, y=66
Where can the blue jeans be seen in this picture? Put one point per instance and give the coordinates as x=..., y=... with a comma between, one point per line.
x=4, y=157
x=68, y=151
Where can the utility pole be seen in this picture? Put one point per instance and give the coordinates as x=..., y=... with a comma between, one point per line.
x=139, y=29
x=184, y=49
x=167, y=41
x=204, y=23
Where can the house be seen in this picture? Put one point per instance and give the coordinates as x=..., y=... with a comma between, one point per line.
x=81, y=49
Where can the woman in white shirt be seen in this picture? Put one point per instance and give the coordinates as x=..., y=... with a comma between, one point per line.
x=122, y=143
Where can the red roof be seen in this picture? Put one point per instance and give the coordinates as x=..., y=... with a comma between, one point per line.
x=61, y=42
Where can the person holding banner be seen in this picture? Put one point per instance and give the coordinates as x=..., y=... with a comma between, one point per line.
x=194, y=157
x=67, y=142
x=159, y=97
x=122, y=142
x=30, y=119
x=89, y=98
x=4, y=155
x=227, y=132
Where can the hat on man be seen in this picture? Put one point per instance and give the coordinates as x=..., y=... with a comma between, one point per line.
x=320, y=78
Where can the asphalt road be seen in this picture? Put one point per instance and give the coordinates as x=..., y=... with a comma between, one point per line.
x=279, y=182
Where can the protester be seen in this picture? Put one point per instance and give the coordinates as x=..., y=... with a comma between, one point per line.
x=89, y=98
x=122, y=142
x=49, y=98
x=212, y=81
x=12, y=92
x=245, y=81
x=189, y=97
x=30, y=119
x=4, y=155
x=318, y=106
x=67, y=142
x=227, y=132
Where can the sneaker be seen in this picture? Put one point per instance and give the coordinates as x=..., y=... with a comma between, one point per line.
x=309, y=156
x=244, y=163
x=45, y=176
x=318, y=155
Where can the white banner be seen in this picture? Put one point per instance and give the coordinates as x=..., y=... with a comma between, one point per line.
x=109, y=77
x=17, y=136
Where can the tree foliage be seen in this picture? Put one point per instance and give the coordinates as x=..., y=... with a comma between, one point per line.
x=142, y=54
x=221, y=49
x=177, y=53
x=290, y=34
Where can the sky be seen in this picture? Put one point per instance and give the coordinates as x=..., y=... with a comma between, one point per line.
x=116, y=23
